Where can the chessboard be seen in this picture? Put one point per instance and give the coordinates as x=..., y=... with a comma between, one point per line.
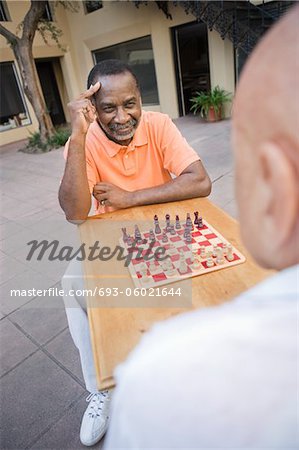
x=160, y=256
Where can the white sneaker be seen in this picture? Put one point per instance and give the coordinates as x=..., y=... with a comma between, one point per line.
x=95, y=420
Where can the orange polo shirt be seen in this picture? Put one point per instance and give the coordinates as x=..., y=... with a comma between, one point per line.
x=156, y=150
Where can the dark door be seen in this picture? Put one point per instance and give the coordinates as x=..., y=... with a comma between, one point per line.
x=50, y=90
x=190, y=44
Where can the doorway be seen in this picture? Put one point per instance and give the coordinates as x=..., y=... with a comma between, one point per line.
x=50, y=90
x=190, y=43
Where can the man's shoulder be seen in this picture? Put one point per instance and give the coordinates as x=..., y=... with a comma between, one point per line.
x=154, y=117
x=267, y=306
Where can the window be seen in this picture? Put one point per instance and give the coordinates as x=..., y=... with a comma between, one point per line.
x=13, y=112
x=138, y=54
x=47, y=15
x=91, y=6
x=4, y=14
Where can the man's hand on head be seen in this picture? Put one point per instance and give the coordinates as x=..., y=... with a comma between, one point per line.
x=82, y=110
x=108, y=194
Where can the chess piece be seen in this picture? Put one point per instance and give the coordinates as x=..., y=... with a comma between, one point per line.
x=210, y=262
x=230, y=255
x=189, y=224
x=137, y=234
x=186, y=232
x=214, y=254
x=219, y=258
x=125, y=235
x=152, y=237
x=172, y=230
x=183, y=268
x=164, y=237
x=196, y=218
x=224, y=247
x=196, y=264
x=177, y=223
x=143, y=271
x=189, y=238
x=167, y=221
x=199, y=223
x=191, y=257
x=156, y=224
x=152, y=267
x=195, y=252
x=130, y=241
x=170, y=269
x=165, y=264
x=157, y=228
x=171, y=250
x=202, y=251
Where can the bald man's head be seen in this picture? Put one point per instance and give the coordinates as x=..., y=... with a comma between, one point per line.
x=268, y=88
x=266, y=145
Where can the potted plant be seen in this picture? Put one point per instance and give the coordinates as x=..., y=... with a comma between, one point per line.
x=209, y=104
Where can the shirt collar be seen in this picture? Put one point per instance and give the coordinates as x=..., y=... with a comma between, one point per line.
x=112, y=148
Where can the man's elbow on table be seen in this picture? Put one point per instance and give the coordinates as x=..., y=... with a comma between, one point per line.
x=75, y=218
x=204, y=186
x=75, y=221
x=72, y=213
x=199, y=182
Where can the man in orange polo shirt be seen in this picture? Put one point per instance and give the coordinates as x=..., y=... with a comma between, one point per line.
x=124, y=157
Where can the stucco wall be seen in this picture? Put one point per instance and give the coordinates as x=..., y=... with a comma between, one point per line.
x=116, y=22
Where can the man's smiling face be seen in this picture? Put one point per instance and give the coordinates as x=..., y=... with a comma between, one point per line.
x=118, y=105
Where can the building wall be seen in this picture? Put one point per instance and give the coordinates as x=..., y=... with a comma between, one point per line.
x=116, y=22
x=17, y=11
x=122, y=21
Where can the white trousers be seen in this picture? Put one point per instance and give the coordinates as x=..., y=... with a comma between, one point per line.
x=76, y=311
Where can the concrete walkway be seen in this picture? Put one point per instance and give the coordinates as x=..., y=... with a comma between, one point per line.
x=42, y=389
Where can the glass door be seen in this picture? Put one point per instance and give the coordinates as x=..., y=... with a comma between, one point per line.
x=191, y=52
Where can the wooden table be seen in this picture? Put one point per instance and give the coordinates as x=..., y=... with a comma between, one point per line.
x=117, y=323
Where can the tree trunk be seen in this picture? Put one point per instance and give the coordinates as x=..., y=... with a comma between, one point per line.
x=24, y=56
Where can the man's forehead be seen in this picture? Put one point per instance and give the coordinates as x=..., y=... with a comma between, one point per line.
x=123, y=85
x=118, y=81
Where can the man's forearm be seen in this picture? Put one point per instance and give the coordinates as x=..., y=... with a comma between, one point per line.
x=74, y=195
x=185, y=186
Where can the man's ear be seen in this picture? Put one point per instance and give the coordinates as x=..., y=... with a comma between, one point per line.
x=279, y=192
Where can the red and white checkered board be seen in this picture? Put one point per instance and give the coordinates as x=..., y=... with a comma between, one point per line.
x=206, y=236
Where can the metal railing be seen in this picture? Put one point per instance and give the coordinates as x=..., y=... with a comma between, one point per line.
x=242, y=22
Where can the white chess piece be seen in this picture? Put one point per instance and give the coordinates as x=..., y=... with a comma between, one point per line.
x=210, y=262
x=152, y=267
x=165, y=264
x=229, y=256
x=143, y=271
x=195, y=253
x=183, y=268
x=170, y=270
x=219, y=257
x=224, y=246
x=171, y=250
x=190, y=256
x=196, y=264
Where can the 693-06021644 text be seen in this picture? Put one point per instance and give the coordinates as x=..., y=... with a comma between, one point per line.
x=140, y=292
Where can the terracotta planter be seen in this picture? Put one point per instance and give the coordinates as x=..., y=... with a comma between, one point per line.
x=214, y=116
